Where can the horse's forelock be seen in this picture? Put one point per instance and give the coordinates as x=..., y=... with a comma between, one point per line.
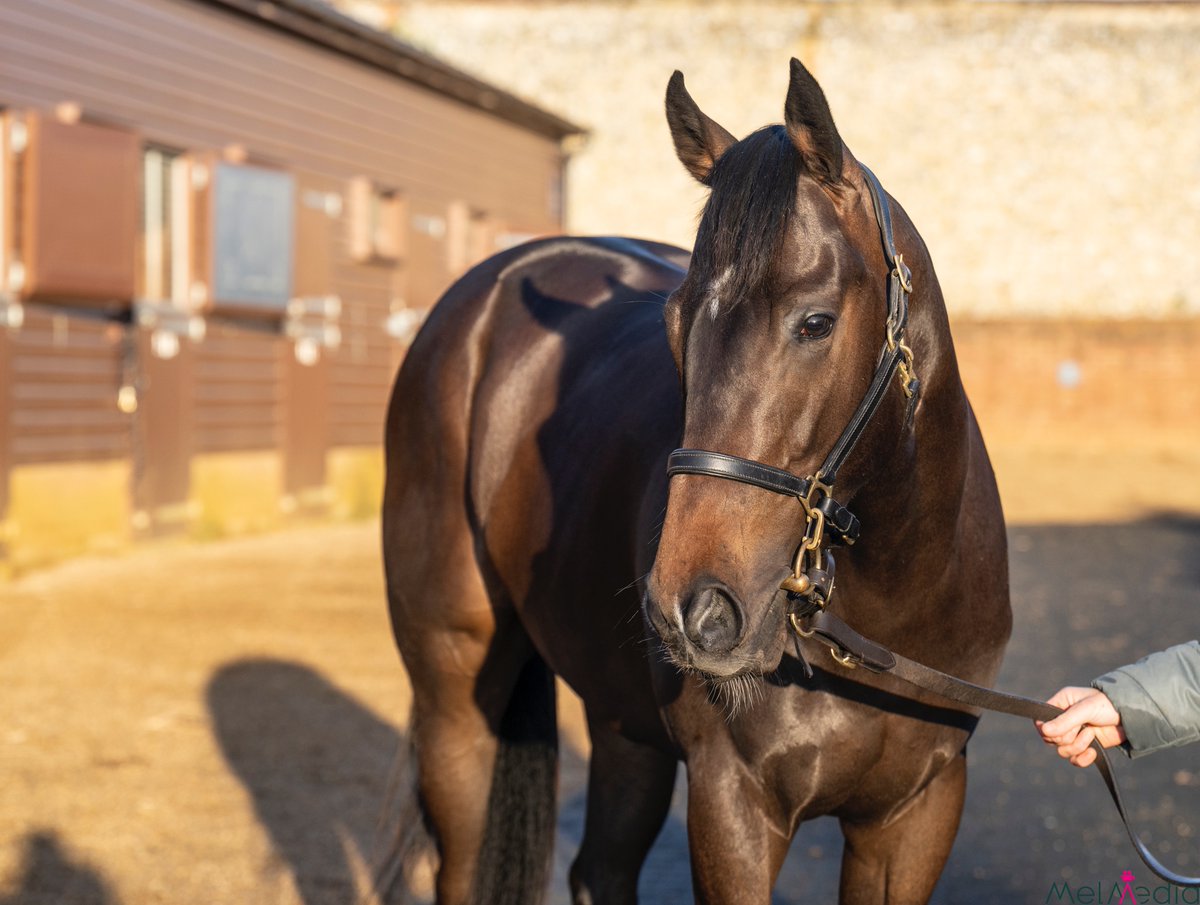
x=746, y=218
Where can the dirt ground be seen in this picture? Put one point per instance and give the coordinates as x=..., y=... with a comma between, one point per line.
x=216, y=723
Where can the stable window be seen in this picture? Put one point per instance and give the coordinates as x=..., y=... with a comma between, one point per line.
x=378, y=219
x=251, y=245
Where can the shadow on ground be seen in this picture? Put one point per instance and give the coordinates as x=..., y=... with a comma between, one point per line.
x=49, y=875
x=316, y=764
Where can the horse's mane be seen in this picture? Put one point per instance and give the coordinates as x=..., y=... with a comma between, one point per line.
x=745, y=220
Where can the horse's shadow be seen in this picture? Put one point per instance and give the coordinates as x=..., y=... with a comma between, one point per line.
x=315, y=762
x=50, y=875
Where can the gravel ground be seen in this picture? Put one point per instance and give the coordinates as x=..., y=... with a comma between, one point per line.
x=217, y=724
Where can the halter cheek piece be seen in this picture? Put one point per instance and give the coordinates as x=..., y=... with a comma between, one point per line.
x=810, y=583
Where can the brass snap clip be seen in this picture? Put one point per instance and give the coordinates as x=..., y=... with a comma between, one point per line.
x=902, y=273
x=808, y=554
x=798, y=582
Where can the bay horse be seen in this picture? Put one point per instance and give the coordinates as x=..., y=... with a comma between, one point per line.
x=530, y=529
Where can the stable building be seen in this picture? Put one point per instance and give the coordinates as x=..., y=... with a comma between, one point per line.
x=221, y=222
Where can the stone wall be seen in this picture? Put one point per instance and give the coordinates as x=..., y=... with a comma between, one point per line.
x=1048, y=152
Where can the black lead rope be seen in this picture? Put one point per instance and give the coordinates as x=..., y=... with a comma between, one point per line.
x=851, y=649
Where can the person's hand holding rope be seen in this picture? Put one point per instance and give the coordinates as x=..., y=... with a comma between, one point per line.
x=1146, y=706
x=1087, y=714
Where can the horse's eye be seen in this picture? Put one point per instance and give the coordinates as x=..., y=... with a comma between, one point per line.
x=816, y=326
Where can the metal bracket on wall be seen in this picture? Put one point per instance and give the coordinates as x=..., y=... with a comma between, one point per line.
x=12, y=312
x=403, y=322
x=169, y=324
x=312, y=325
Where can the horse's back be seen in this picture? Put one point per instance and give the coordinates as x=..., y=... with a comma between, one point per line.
x=531, y=416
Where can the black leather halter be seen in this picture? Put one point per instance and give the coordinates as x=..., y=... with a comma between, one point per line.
x=812, y=572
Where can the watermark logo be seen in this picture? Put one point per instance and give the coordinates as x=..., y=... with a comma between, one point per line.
x=1123, y=892
x=1127, y=879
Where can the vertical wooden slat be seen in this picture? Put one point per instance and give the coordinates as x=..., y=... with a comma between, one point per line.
x=306, y=384
x=306, y=429
x=161, y=471
x=8, y=201
x=7, y=219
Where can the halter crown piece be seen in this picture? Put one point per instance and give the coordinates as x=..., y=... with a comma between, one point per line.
x=810, y=584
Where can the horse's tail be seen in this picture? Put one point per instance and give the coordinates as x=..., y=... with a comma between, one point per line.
x=514, y=858
x=514, y=861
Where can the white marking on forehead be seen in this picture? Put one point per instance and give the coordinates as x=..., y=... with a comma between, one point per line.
x=714, y=292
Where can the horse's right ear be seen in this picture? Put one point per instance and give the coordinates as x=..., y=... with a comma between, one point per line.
x=810, y=125
x=699, y=141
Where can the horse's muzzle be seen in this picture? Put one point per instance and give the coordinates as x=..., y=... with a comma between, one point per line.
x=709, y=632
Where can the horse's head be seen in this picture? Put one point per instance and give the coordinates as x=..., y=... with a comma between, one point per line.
x=776, y=331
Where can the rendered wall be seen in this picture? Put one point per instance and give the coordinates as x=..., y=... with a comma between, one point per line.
x=1048, y=152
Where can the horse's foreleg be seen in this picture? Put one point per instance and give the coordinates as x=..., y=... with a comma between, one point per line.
x=898, y=861
x=629, y=794
x=736, y=848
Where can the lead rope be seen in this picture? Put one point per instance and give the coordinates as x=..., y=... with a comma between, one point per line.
x=852, y=650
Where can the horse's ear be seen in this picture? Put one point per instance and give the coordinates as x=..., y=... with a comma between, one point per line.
x=699, y=141
x=810, y=125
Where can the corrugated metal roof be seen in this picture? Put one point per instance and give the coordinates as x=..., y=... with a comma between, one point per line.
x=319, y=23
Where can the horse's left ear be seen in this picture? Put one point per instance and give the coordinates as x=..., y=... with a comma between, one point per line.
x=699, y=141
x=810, y=125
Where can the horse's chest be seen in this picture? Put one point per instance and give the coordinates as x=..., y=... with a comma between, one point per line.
x=817, y=753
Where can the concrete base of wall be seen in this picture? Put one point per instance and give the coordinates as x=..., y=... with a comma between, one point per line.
x=62, y=510
x=355, y=476
x=236, y=493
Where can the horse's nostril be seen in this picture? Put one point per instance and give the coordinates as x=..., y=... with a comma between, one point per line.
x=711, y=622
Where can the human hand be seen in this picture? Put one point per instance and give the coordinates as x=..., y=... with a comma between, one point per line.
x=1087, y=714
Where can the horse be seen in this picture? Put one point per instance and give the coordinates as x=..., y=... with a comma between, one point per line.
x=531, y=530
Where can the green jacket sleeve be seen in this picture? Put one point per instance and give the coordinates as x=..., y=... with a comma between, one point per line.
x=1158, y=698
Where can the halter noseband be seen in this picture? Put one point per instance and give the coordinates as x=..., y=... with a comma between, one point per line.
x=811, y=578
